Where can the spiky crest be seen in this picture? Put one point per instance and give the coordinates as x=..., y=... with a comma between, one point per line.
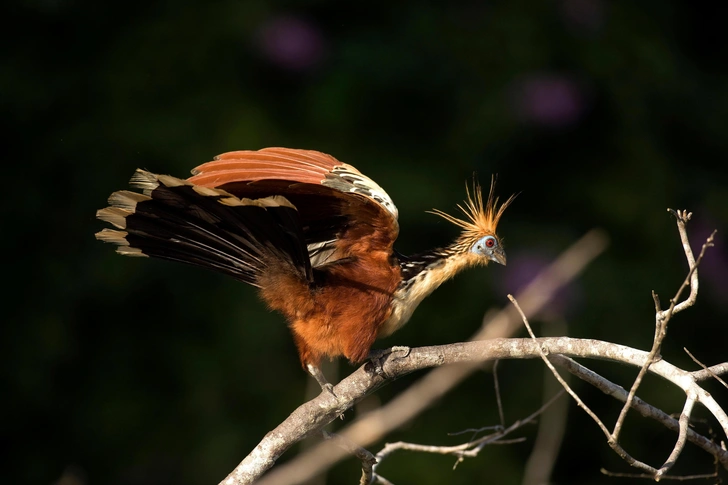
x=482, y=217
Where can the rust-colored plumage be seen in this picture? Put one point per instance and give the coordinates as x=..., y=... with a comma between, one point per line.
x=314, y=235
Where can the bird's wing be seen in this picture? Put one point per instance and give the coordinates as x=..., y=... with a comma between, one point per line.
x=176, y=220
x=342, y=210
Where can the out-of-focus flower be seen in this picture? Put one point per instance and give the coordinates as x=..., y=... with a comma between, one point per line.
x=291, y=43
x=549, y=100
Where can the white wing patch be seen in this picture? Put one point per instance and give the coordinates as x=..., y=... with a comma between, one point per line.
x=320, y=253
x=346, y=178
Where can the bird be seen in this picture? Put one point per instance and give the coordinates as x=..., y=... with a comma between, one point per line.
x=314, y=235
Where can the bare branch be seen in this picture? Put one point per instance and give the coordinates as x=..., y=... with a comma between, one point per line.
x=712, y=371
x=324, y=409
x=681, y=218
x=618, y=392
x=662, y=318
x=691, y=279
x=613, y=444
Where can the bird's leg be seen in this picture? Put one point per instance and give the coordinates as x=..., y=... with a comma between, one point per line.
x=316, y=373
x=376, y=356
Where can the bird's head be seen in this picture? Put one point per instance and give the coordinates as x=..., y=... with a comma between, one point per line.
x=479, y=239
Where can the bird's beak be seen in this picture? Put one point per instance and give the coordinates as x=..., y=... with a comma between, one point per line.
x=499, y=256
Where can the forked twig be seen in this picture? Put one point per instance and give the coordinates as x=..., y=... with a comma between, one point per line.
x=662, y=317
x=471, y=448
x=614, y=445
x=618, y=392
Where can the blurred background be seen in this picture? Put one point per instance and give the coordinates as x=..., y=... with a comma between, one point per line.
x=134, y=372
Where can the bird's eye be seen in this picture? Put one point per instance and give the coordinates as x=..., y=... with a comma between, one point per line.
x=484, y=245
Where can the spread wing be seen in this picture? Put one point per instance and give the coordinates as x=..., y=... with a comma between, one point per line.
x=342, y=211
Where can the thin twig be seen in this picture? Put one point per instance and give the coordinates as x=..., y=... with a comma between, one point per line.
x=680, y=478
x=365, y=456
x=708, y=369
x=476, y=430
x=471, y=448
x=682, y=218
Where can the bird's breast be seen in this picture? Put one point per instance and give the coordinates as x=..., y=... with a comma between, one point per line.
x=411, y=292
x=406, y=299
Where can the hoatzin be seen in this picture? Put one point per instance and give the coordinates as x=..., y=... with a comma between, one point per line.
x=314, y=235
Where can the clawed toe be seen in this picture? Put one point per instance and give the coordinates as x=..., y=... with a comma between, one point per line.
x=378, y=354
x=376, y=357
x=316, y=373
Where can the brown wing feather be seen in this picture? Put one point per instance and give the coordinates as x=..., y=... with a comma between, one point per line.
x=305, y=166
x=334, y=199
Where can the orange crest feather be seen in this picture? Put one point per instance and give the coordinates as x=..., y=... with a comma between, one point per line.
x=482, y=217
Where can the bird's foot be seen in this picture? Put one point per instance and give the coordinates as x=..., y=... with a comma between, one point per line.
x=379, y=353
x=376, y=357
x=316, y=373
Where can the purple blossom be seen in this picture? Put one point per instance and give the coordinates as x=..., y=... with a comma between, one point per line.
x=291, y=43
x=549, y=100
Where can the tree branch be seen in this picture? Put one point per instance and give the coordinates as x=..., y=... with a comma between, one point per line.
x=313, y=415
x=648, y=411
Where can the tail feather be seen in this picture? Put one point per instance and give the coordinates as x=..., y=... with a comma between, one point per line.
x=176, y=220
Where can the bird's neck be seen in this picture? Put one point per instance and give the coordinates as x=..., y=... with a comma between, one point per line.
x=421, y=275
